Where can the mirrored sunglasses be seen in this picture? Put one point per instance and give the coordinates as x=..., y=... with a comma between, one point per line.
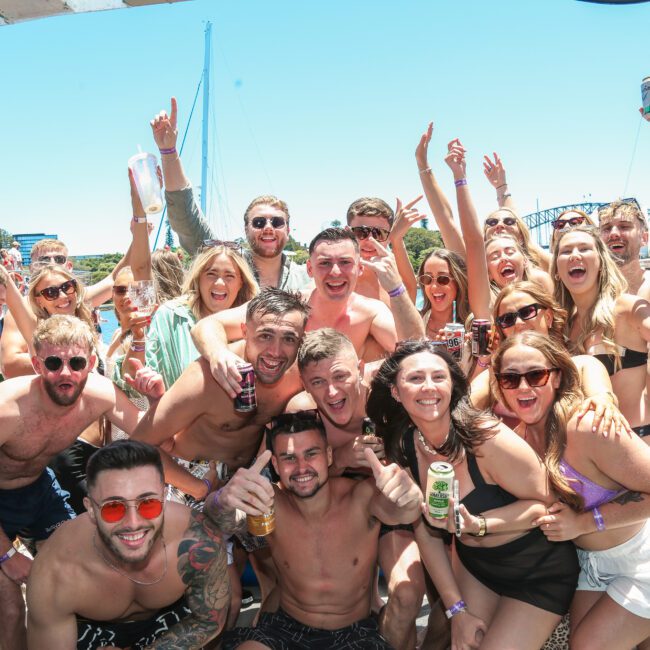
x=52, y=293
x=363, y=232
x=534, y=378
x=524, y=313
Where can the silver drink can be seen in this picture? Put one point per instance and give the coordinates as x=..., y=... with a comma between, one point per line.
x=455, y=335
x=440, y=482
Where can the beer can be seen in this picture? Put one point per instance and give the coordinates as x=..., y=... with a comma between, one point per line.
x=480, y=337
x=246, y=401
x=261, y=525
x=645, y=95
x=440, y=482
x=368, y=427
x=455, y=334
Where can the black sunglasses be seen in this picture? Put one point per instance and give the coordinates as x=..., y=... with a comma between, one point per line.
x=54, y=364
x=363, y=232
x=53, y=259
x=260, y=222
x=534, y=378
x=52, y=293
x=120, y=289
x=507, y=221
x=525, y=313
x=213, y=243
x=561, y=224
x=426, y=279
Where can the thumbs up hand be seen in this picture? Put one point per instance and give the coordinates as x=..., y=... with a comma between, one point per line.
x=394, y=482
x=248, y=490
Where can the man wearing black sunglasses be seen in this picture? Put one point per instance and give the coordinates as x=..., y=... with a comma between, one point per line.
x=163, y=564
x=624, y=229
x=40, y=416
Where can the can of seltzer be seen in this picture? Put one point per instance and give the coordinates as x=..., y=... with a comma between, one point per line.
x=261, y=525
x=246, y=401
x=455, y=334
x=645, y=95
x=440, y=481
x=480, y=337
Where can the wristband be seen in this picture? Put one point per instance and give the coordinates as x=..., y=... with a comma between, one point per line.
x=425, y=171
x=598, y=518
x=460, y=181
x=9, y=554
x=507, y=195
x=208, y=485
x=482, y=364
x=215, y=499
x=500, y=186
x=167, y=152
x=397, y=291
x=456, y=608
x=136, y=347
x=139, y=219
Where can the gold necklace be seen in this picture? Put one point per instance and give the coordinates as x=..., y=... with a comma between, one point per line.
x=126, y=575
x=425, y=444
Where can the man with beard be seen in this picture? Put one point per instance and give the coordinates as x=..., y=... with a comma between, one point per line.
x=624, y=230
x=266, y=219
x=336, y=383
x=197, y=420
x=40, y=416
x=325, y=539
x=163, y=565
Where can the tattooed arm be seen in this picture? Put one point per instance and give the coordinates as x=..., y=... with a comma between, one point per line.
x=202, y=565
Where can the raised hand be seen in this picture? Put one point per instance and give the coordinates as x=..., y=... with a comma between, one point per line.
x=147, y=381
x=384, y=266
x=405, y=217
x=164, y=128
x=494, y=171
x=421, y=151
x=394, y=482
x=455, y=158
x=248, y=490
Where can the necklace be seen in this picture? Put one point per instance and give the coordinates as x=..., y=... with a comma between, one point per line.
x=425, y=444
x=126, y=575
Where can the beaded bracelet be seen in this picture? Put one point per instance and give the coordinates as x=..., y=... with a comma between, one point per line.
x=460, y=182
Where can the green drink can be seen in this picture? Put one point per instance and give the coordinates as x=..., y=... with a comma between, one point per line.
x=440, y=481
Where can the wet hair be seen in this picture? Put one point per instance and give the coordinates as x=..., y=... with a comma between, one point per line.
x=528, y=248
x=168, y=273
x=323, y=343
x=63, y=330
x=469, y=427
x=601, y=315
x=123, y=455
x=334, y=235
x=278, y=302
x=191, y=292
x=370, y=207
x=458, y=272
x=567, y=399
x=266, y=199
x=541, y=297
x=286, y=423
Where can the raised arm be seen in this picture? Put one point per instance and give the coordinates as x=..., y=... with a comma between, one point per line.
x=140, y=255
x=24, y=317
x=496, y=175
x=436, y=199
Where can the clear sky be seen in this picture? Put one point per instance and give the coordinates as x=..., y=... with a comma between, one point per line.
x=320, y=103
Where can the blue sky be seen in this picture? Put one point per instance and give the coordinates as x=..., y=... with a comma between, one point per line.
x=320, y=103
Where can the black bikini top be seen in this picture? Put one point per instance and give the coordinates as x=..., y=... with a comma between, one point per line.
x=629, y=359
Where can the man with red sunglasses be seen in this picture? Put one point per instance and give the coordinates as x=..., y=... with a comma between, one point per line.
x=163, y=564
x=40, y=416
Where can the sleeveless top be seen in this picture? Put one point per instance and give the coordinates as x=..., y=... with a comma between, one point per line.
x=594, y=495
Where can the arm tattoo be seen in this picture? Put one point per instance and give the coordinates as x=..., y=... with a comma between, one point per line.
x=629, y=497
x=228, y=522
x=202, y=565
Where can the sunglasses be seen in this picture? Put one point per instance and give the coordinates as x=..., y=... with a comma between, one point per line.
x=534, y=378
x=52, y=293
x=507, y=221
x=524, y=313
x=260, y=222
x=561, y=224
x=114, y=511
x=52, y=259
x=233, y=245
x=54, y=364
x=363, y=232
x=426, y=279
x=120, y=289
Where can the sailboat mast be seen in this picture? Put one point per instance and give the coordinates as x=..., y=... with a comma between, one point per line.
x=206, y=109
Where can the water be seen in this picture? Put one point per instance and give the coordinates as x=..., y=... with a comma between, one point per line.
x=109, y=326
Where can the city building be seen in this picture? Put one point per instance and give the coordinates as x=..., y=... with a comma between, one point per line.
x=27, y=240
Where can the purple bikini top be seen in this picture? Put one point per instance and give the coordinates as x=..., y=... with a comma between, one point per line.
x=593, y=494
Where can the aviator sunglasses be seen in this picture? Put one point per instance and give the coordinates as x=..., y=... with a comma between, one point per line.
x=54, y=364
x=114, y=511
x=363, y=232
x=260, y=222
x=534, y=378
x=561, y=224
x=52, y=293
x=507, y=221
x=525, y=313
x=426, y=279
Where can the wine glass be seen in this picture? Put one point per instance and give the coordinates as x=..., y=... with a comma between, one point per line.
x=143, y=295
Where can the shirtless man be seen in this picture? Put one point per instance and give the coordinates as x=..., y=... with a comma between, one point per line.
x=199, y=417
x=334, y=264
x=163, y=565
x=40, y=416
x=325, y=539
x=336, y=383
x=624, y=230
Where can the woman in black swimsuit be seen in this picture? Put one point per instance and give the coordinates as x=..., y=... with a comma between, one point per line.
x=509, y=587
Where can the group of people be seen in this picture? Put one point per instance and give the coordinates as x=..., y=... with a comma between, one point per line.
x=132, y=469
